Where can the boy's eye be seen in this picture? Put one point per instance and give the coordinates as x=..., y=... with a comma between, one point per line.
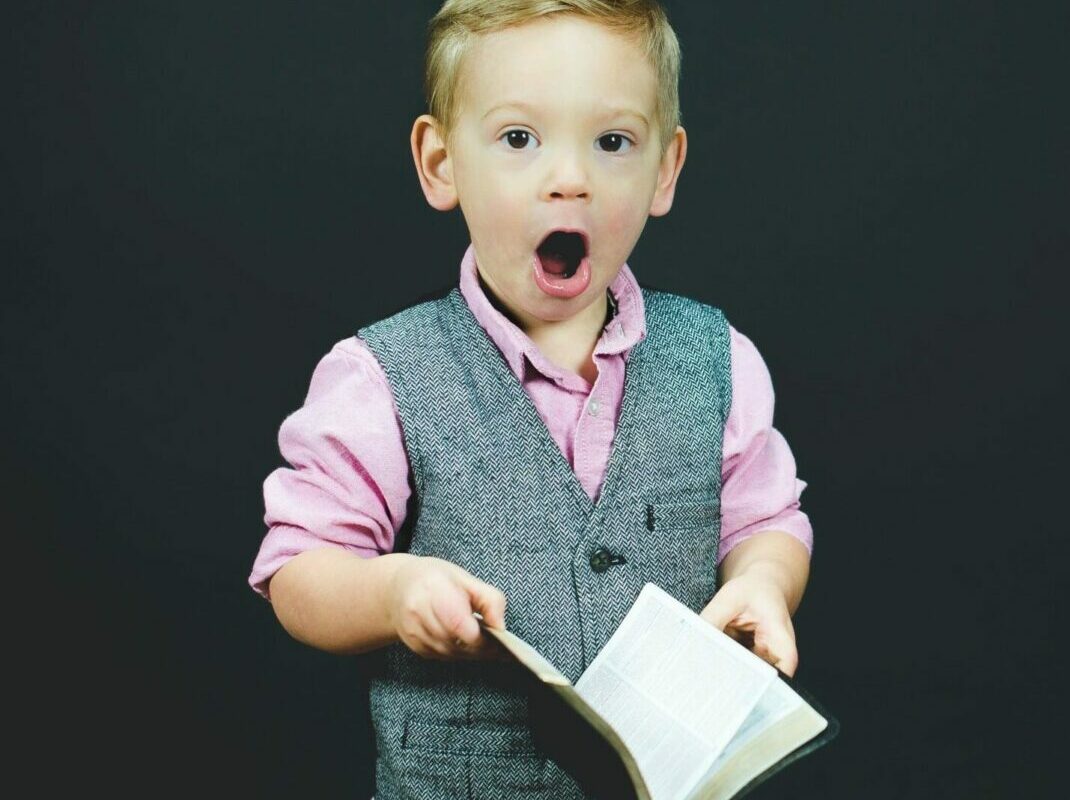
x=615, y=142
x=517, y=139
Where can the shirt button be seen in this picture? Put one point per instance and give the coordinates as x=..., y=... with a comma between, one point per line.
x=620, y=330
x=593, y=408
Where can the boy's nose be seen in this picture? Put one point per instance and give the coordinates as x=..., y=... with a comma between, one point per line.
x=570, y=191
x=567, y=179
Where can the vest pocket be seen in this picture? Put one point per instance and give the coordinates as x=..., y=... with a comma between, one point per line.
x=485, y=762
x=414, y=774
x=684, y=515
x=680, y=552
x=430, y=737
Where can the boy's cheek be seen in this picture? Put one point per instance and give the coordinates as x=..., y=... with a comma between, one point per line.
x=503, y=220
x=619, y=230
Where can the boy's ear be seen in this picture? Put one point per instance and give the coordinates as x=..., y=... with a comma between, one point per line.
x=668, y=172
x=433, y=164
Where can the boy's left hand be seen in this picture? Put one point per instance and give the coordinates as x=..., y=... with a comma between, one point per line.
x=751, y=608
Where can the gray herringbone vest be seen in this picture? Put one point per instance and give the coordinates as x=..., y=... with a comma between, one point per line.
x=494, y=494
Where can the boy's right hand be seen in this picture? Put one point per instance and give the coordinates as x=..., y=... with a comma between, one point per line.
x=431, y=605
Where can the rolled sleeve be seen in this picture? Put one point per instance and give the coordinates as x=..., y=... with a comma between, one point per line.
x=347, y=483
x=759, y=487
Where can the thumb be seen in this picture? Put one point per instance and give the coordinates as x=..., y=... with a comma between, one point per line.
x=779, y=643
x=488, y=600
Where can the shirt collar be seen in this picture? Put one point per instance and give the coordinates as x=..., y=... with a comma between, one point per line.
x=625, y=329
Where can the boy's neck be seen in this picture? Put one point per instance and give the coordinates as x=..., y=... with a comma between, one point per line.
x=568, y=343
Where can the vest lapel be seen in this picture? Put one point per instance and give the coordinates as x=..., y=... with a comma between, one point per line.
x=517, y=416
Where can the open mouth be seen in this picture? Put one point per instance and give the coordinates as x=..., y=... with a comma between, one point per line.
x=561, y=252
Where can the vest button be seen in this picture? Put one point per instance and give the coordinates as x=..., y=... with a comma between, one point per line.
x=600, y=560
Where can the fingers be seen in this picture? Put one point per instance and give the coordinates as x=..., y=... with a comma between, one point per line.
x=423, y=637
x=722, y=609
x=758, y=622
x=488, y=600
x=453, y=614
x=449, y=628
x=433, y=611
x=423, y=633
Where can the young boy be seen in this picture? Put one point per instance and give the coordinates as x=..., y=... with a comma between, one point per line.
x=548, y=436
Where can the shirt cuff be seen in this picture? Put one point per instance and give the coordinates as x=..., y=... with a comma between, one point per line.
x=283, y=542
x=792, y=521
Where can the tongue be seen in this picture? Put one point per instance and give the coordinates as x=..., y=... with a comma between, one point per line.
x=560, y=284
x=554, y=263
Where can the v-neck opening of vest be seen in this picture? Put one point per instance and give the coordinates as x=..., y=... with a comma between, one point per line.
x=509, y=381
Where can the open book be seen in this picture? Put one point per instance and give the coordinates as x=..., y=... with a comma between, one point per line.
x=672, y=709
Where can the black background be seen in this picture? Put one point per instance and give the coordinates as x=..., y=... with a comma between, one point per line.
x=204, y=197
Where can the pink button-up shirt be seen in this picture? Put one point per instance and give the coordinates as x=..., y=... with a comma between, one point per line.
x=349, y=481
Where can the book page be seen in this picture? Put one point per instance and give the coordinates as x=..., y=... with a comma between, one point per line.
x=777, y=702
x=675, y=688
x=780, y=723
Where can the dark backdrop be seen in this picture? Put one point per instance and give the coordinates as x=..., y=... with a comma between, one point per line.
x=203, y=197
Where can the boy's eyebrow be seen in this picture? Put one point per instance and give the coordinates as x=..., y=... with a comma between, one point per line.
x=611, y=112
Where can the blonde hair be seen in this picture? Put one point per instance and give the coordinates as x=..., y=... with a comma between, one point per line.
x=452, y=30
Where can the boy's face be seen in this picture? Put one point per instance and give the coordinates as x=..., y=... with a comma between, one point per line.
x=555, y=130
